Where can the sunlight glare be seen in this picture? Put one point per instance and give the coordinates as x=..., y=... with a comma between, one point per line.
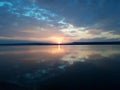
x=57, y=40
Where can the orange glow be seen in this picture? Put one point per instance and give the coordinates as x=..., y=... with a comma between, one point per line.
x=57, y=40
x=57, y=50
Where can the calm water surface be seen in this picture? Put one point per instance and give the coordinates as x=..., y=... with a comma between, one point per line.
x=65, y=67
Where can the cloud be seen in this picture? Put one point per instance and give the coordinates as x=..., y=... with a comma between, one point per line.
x=74, y=19
x=87, y=12
x=88, y=33
x=32, y=11
x=5, y=4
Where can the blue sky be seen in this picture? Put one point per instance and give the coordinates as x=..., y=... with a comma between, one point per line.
x=54, y=20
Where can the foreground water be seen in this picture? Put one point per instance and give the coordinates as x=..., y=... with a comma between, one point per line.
x=65, y=67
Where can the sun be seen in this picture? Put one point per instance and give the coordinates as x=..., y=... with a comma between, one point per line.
x=57, y=40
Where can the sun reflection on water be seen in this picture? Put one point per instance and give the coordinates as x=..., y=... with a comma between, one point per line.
x=44, y=62
x=57, y=50
x=68, y=54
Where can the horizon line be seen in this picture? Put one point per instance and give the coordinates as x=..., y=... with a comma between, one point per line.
x=71, y=43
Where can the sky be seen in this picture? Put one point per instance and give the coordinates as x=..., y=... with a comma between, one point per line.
x=59, y=20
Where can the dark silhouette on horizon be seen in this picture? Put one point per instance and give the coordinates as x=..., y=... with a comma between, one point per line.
x=71, y=43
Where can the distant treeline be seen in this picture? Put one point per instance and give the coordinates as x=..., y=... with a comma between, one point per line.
x=95, y=43
x=73, y=43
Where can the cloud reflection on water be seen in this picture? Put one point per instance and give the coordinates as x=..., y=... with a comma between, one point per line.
x=31, y=64
x=83, y=53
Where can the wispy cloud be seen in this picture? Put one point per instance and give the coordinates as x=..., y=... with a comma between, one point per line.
x=71, y=19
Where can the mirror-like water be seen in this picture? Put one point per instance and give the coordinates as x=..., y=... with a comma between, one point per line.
x=41, y=66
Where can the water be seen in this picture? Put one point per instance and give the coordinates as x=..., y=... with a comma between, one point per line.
x=65, y=67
